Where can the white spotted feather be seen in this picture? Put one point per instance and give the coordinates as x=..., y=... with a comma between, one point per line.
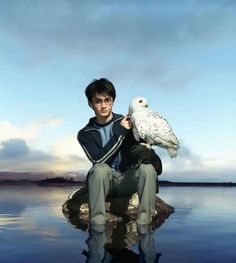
x=151, y=127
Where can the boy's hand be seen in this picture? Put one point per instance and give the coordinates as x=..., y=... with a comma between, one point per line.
x=126, y=123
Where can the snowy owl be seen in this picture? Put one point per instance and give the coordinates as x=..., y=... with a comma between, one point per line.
x=151, y=127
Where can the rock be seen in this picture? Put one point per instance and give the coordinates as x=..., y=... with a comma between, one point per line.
x=119, y=209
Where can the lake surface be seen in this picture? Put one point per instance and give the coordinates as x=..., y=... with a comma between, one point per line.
x=34, y=229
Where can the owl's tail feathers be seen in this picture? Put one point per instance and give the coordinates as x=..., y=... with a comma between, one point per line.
x=172, y=152
x=175, y=145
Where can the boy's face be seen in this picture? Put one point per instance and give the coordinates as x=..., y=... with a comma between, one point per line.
x=102, y=105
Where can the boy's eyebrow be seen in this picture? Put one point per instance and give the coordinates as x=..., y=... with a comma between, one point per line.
x=106, y=96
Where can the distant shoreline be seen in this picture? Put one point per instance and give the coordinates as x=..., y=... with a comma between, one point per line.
x=197, y=184
x=63, y=182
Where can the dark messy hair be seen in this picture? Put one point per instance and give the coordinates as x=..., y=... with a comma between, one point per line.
x=102, y=85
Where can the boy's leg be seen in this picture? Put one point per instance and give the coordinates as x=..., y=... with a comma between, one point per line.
x=99, y=180
x=141, y=179
x=146, y=175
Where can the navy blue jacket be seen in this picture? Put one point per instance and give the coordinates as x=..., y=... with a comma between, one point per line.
x=120, y=143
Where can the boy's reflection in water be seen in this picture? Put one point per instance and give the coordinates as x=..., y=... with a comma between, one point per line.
x=96, y=244
x=116, y=251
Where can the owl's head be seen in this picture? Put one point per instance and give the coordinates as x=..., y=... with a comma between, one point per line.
x=137, y=104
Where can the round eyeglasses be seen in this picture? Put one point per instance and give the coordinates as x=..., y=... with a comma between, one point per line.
x=99, y=102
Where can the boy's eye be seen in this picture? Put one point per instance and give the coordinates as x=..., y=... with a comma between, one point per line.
x=107, y=101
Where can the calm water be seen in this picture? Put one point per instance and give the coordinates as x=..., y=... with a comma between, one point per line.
x=33, y=228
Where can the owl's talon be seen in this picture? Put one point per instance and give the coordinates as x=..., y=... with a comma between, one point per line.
x=147, y=145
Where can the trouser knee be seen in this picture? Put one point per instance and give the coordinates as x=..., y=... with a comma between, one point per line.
x=146, y=170
x=99, y=171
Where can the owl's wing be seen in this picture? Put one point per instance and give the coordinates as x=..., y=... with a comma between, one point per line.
x=161, y=130
x=154, y=128
x=136, y=133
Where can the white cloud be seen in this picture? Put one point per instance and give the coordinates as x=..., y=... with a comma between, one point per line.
x=20, y=149
x=67, y=146
x=29, y=132
x=71, y=154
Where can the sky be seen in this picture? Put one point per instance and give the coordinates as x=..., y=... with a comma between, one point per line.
x=179, y=55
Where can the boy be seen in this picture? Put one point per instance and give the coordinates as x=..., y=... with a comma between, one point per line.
x=107, y=140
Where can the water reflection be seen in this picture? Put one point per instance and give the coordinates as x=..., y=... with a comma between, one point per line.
x=114, y=241
x=107, y=246
x=33, y=229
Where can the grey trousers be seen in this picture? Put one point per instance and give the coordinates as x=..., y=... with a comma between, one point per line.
x=103, y=182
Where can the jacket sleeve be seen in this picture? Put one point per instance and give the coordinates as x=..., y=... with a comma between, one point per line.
x=92, y=144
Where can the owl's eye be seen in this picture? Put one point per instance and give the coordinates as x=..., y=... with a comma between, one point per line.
x=140, y=101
